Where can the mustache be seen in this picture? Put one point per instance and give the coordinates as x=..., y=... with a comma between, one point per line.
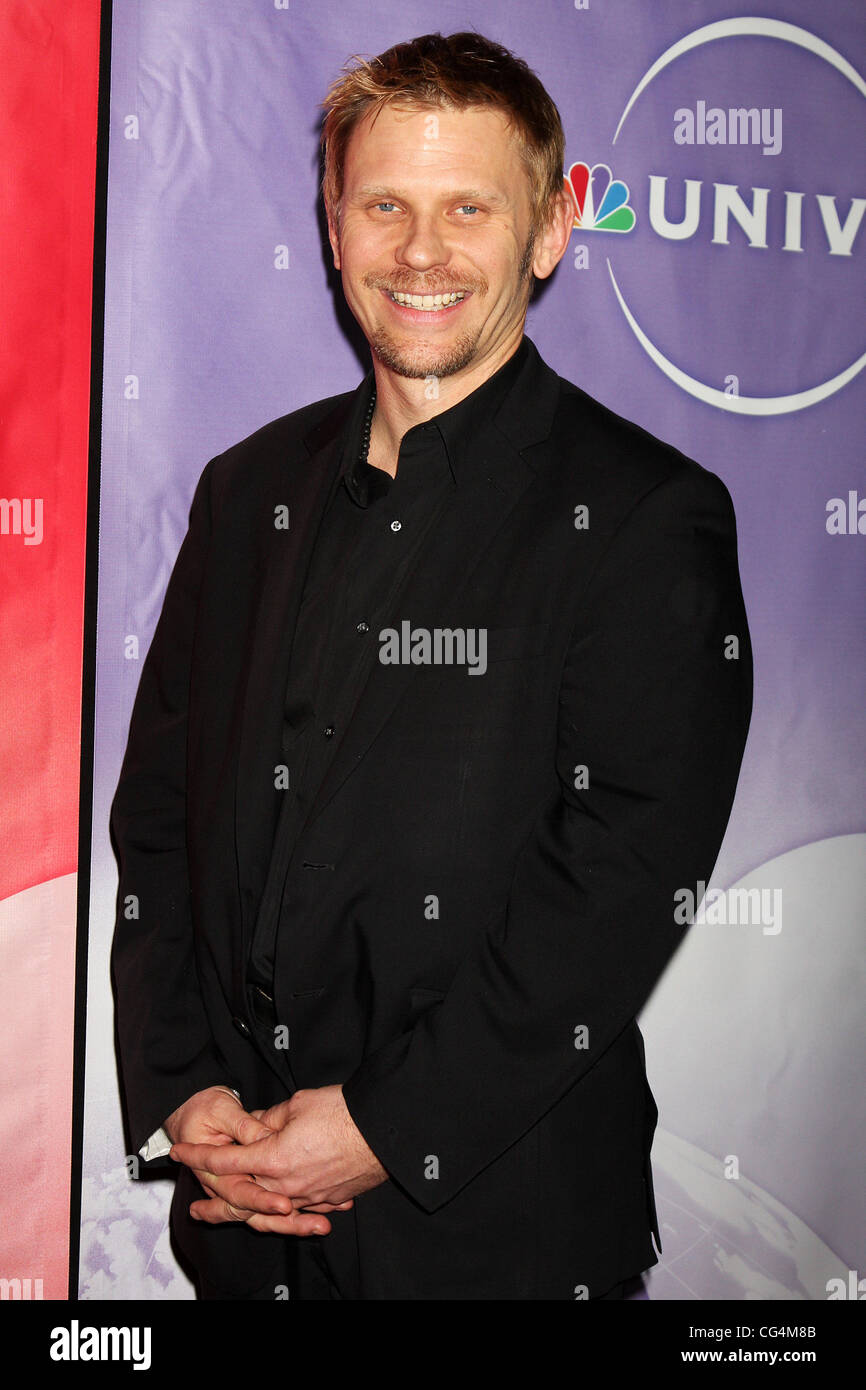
x=400, y=285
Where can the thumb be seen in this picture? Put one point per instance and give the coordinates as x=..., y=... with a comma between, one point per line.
x=245, y=1128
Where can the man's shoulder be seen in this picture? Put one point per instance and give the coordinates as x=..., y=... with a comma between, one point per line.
x=297, y=434
x=619, y=457
x=298, y=425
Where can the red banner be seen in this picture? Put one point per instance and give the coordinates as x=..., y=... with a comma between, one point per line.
x=48, y=122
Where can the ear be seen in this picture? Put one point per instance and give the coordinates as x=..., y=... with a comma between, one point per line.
x=550, y=246
x=333, y=234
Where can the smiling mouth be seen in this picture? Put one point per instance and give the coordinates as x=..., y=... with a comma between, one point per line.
x=428, y=302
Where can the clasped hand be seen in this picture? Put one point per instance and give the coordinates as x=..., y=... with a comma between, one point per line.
x=279, y=1170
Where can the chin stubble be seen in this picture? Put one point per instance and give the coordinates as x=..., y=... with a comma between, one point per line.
x=424, y=361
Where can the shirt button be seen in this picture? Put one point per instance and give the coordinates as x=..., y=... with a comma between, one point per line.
x=242, y=1027
x=362, y=627
x=328, y=731
x=396, y=525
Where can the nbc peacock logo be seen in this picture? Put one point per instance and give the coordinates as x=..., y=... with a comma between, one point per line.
x=600, y=200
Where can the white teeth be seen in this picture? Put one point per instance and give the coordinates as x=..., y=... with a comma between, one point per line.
x=427, y=301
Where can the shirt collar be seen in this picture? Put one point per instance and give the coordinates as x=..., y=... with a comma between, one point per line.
x=459, y=426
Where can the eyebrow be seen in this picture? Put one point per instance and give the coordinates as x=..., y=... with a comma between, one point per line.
x=465, y=195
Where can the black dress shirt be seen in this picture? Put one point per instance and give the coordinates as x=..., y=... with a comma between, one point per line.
x=371, y=533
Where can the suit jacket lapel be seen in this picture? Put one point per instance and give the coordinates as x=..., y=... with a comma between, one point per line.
x=305, y=486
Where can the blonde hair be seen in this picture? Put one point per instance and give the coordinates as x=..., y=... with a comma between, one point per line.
x=456, y=72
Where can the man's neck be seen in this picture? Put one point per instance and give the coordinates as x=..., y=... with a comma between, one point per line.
x=402, y=402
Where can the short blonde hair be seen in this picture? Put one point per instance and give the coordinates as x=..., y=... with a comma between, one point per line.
x=456, y=72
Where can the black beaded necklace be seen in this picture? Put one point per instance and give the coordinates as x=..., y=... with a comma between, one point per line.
x=368, y=425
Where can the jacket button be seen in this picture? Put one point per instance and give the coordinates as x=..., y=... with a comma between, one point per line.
x=242, y=1027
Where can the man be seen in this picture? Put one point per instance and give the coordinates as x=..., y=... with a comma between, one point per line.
x=447, y=699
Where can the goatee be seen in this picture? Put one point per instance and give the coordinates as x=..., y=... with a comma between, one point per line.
x=424, y=360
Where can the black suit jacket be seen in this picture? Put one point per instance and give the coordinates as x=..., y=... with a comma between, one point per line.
x=482, y=896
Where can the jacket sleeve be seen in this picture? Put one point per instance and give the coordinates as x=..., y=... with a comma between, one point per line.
x=655, y=702
x=166, y=1049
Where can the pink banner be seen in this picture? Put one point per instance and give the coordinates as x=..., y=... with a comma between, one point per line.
x=48, y=110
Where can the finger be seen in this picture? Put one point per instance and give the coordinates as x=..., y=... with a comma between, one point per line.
x=311, y=1200
x=298, y=1224
x=222, y=1159
x=319, y=1199
x=244, y=1194
x=216, y=1212
x=330, y=1206
x=278, y=1115
x=245, y=1128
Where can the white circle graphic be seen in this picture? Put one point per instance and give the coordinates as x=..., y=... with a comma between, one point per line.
x=747, y=27
x=750, y=27
x=739, y=405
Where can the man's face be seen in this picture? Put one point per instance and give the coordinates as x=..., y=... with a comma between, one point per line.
x=436, y=202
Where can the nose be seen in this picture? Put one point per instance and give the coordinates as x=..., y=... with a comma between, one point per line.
x=423, y=243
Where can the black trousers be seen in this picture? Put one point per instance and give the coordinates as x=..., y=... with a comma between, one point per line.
x=309, y=1276
x=306, y=1276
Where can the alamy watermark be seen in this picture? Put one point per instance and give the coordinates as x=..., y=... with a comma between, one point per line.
x=738, y=125
x=735, y=907
x=437, y=646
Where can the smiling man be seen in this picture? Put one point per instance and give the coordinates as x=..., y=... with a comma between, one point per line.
x=435, y=230
x=395, y=923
